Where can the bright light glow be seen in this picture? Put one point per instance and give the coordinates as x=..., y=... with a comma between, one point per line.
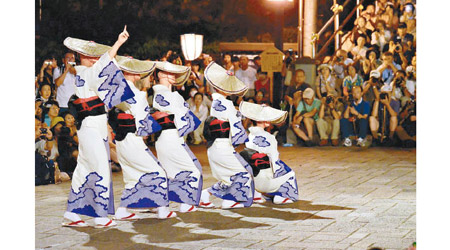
x=280, y=0
x=191, y=46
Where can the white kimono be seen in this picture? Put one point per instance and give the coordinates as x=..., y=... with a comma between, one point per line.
x=182, y=167
x=234, y=174
x=145, y=179
x=91, y=193
x=279, y=179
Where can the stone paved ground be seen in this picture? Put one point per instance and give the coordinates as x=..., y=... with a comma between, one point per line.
x=350, y=199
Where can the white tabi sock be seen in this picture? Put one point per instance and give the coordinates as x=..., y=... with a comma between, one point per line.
x=184, y=208
x=72, y=216
x=205, y=196
x=103, y=221
x=122, y=212
x=281, y=200
x=163, y=213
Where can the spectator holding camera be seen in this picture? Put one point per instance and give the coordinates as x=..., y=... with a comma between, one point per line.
x=371, y=87
x=325, y=83
x=46, y=74
x=338, y=63
x=388, y=67
x=44, y=143
x=305, y=117
x=64, y=78
x=352, y=79
x=328, y=123
x=383, y=121
x=355, y=118
x=399, y=90
x=406, y=129
x=371, y=62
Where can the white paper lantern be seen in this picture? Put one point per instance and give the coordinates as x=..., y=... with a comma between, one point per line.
x=191, y=45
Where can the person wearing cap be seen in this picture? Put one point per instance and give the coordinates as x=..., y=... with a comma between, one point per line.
x=99, y=85
x=328, y=123
x=325, y=83
x=383, y=121
x=182, y=167
x=305, y=117
x=272, y=176
x=146, y=183
x=371, y=87
x=355, y=118
x=224, y=131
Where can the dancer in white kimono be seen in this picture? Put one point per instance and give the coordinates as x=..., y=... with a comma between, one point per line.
x=182, y=167
x=224, y=130
x=145, y=180
x=99, y=84
x=272, y=176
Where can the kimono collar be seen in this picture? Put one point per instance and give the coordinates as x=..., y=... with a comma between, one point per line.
x=256, y=130
x=161, y=88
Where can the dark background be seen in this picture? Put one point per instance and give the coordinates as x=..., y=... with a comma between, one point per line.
x=155, y=26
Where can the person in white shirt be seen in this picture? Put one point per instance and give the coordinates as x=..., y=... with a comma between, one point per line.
x=201, y=111
x=64, y=79
x=247, y=75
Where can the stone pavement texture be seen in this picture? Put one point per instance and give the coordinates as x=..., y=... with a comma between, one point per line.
x=350, y=198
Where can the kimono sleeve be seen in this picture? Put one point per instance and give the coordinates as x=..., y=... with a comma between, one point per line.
x=108, y=81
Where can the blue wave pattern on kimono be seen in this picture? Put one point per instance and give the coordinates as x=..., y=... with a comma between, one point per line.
x=238, y=190
x=115, y=84
x=261, y=141
x=192, y=123
x=288, y=190
x=131, y=101
x=239, y=137
x=88, y=201
x=217, y=105
x=180, y=189
x=199, y=167
x=284, y=169
x=160, y=100
x=186, y=104
x=148, y=192
x=148, y=125
x=79, y=82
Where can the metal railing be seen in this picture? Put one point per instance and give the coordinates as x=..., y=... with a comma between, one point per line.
x=336, y=8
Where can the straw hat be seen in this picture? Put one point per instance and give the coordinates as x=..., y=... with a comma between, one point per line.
x=87, y=48
x=182, y=73
x=135, y=66
x=262, y=113
x=224, y=80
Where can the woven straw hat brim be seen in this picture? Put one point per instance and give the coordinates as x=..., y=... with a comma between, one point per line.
x=220, y=78
x=87, y=48
x=262, y=113
x=182, y=73
x=135, y=66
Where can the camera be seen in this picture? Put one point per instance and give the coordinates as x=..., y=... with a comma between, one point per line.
x=383, y=95
x=350, y=98
x=43, y=133
x=72, y=63
x=340, y=58
x=398, y=81
x=329, y=99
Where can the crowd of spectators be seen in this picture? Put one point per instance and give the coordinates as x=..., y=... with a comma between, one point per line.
x=365, y=93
